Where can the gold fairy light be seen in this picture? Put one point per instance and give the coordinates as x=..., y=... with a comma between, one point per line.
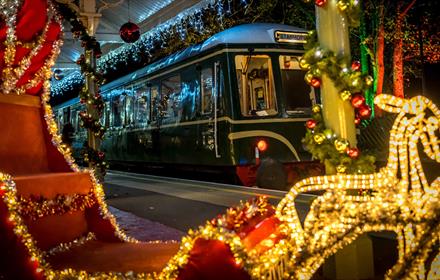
x=402, y=200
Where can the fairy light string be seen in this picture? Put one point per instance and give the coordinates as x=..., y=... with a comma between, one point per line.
x=401, y=200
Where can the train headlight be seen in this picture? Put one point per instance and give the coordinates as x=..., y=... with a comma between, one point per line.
x=262, y=145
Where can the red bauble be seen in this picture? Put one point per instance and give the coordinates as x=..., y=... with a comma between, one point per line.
x=353, y=153
x=357, y=100
x=355, y=65
x=364, y=112
x=357, y=121
x=320, y=3
x=315, y=82
x=129, y=32
x=311, y=124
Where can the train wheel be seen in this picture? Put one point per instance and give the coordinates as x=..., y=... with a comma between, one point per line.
x=271, y=175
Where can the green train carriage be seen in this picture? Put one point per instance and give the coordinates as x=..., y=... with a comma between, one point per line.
x=235, y=104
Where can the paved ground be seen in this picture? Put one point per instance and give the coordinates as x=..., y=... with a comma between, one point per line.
x=143, y=229
x=180, y=204
x=178, y=213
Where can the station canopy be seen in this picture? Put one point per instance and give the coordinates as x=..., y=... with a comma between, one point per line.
x=147, y=14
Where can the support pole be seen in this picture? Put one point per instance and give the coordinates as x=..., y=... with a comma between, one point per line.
x=355, y=261
x=90, y=18
x=92, y=141
x=332, y=28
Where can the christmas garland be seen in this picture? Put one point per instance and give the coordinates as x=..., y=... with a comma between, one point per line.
x=334, y=152
x=88, y=121
x=319, y=140
x=37, y=207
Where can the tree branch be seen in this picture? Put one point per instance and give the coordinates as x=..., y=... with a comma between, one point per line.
x=405, y=11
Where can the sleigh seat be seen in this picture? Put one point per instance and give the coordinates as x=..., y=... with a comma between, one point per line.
x=53, y=217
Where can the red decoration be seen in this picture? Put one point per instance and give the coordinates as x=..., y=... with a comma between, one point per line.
x=353, y=153
x=364, y=112
x=315, y=82
x=311, y=124
x=355, y=65
x=357, y=120
x=129, y=32
x=31, y=20
x=357, y=100
x=320, y=3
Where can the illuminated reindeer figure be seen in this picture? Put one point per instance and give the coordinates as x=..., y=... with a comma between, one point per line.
x=401, y=200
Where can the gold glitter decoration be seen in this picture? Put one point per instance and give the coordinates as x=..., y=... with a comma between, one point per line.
x=400, y=199
x=63, y=247
x=38, y=207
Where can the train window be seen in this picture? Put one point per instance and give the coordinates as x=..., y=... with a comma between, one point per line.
x=74, y=118
x=297, y=94
x=155, y=102
x=66, y=115
x=141, y=105
x=190, y=93
x=129, y=107
x=256, y=85
x=206, y=78
x=118, y=100
x=60, y=118
x=170, y=96
x=106, y=114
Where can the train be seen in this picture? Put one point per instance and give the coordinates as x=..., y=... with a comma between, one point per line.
x=235, y=105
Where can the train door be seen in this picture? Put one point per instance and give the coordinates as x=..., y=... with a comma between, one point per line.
x=210, y=109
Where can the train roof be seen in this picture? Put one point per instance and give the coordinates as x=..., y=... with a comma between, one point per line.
x=252, y=33
x=245, y=34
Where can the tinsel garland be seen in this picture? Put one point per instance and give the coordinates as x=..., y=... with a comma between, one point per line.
x=88, y=121
x=35, y=207
x=63, y=247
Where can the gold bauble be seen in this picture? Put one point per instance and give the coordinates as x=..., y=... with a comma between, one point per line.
x=319, y=138
x=369, y=80
x=304, y=64
x=316, y=72
x=341, y=145
x=342, y=5
x=341, y=168
x=308, y=77
x=345, y=95
x=316, y=108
